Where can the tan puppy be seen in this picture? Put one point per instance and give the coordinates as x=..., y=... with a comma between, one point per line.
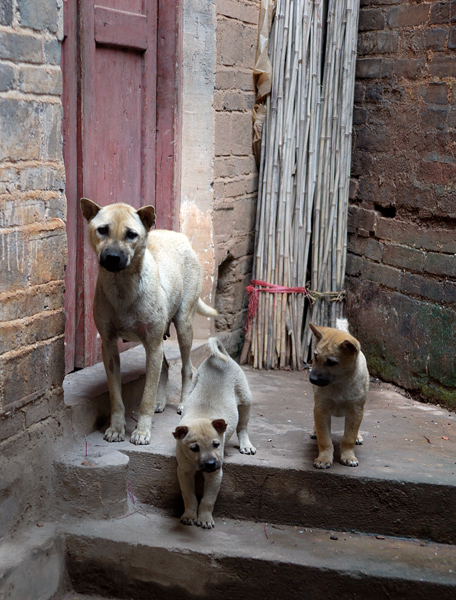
x=341, y=381
x=146, y=279
x=218, y=404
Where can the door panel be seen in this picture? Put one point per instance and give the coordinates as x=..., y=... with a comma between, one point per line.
x=110, y=63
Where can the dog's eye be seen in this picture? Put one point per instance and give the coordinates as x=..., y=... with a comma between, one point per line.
x=194, y=448
x=331, y=362
x=131, y=235
x=216, y=444
x=103, y=230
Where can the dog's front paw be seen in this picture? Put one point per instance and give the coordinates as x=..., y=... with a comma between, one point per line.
x=140, y=437
x=349, y=460
x=188, y=518
x=159, y=409
x=313, y=435
x=359, y=440
x=323, y=462
x=248, y=450
x=114, y=435
x=205, y=520
x=180, y=408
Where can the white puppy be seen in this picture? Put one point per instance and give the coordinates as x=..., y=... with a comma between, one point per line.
x=218, y=404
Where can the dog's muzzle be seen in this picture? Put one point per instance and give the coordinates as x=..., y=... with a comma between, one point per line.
x=210, y=465
x=319, y=380
x=113, y=260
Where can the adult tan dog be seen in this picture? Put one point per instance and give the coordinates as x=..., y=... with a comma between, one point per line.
x=340, y=382
x=146, y=280
x=218, y=404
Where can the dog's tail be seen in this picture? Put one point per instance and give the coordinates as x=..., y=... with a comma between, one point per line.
x=342, y=324
x=205, y=310
x=217, y=349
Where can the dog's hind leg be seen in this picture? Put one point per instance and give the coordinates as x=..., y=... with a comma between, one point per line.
x=111, y=360
x=154, y=359
x=244, y=402
x=160, y=401
x=184, y=328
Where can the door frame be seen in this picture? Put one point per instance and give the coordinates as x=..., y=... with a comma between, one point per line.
x=168, y=144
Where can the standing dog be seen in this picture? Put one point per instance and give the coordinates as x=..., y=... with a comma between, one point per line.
x=341, y=381
x=218, y=404
x=146, y=279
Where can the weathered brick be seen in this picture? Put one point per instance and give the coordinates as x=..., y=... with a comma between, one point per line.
x=356, y=245
x=371, y=19
x=383, y=274
x=369, y=68
x=223, y=222
x=52, y=52
x=373, y=139
x=442, y=65
x=408, y=16
x=434, y=93
x=379, y=42
x=41, y=15
x=449, y=292
x=374, y=250
x=6, y=12
x=362, y=218
x=374, y=92
x=30, y=301
x=359, y=115
x=41, y=80
x=224, y=79
x=404, y=257
x=436, y=39
x=425, y=287
x=21, y=47
x=452, y=38
x=409, y=68
x=11, y=422
x=230, y=42
x=228, y=8
x=355, y=265
x=440, y=264
x=414, y=196
x=244, y=214
x=434, y=118
x=25, y=332
x=241, y=133
x=244, y=80
x=223, y=134
x=235, y=188
x=440, y=13
x=7, y=77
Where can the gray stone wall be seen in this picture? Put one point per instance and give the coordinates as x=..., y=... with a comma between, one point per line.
x=32, y=252
x=235, y=172
x=401, y=268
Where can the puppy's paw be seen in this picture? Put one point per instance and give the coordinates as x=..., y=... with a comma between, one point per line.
x=140, y=438
x=188, y=518
x=359, y=440
x=114, y=435
x=313, y=435
x=323, y=462
x=180, y=409
x=248, y=449
x=159, y=409
x=349, y=460
x=205, y=520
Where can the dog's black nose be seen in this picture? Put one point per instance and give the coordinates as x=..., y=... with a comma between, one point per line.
x=319, y=380
x=210, y=465
x=113, y=260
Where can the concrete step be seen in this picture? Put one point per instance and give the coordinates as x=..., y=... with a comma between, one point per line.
x=148, y=555
x=405, y=484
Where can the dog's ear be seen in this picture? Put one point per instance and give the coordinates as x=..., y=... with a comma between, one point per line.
x=180, y=432
x=219, y=425
x=349, y=347
x=89, y=209
x=317, y=333
x=147, y=216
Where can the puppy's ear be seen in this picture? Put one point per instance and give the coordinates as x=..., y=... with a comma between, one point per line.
x=349, y=347
x=180, y=432
x=317, y=333
x=89, y=209
x=147, y=216
x=219, y=425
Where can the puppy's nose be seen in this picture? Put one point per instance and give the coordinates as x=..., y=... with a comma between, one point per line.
x=319, y=380
x=209, y=465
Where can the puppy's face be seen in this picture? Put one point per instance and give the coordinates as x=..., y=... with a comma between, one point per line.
x=118, y=232
x=202, y=443
x=334, y=356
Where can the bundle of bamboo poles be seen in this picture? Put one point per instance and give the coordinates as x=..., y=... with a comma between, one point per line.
x=300, y=234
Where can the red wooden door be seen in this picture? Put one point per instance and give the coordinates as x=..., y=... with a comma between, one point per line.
x=112, y=135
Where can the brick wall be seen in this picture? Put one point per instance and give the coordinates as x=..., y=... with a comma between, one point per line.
x=401, y=272
x=32, y=249
x=235, y=173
